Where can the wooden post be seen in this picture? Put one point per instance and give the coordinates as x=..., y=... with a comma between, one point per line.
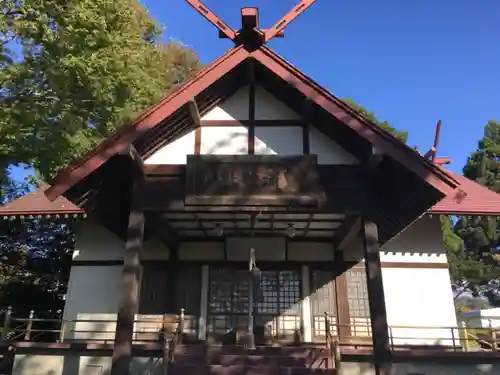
x=492, y=335
x=465, y=334
x=327, y=330
x=129, y=299
x=376, y=298
x=61, y=331
x=29, y=326
x=6, y=323
x=181, y=326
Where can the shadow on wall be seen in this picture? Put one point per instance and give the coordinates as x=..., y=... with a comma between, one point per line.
x=230, y=140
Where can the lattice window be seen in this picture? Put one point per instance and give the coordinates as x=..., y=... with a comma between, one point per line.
x=357, y=296
x=323, y=300
x=278, y=307
x=228, y=300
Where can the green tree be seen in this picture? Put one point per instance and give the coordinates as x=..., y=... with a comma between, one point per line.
x=402, y=135
x=480, y=257
x=82, y=69
x=71, y=73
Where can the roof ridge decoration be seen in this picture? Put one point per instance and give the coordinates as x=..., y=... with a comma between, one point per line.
x=250, y=34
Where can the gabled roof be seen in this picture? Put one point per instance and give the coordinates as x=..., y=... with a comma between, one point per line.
x=37, y=203
x=153, y=120
x=476, y=200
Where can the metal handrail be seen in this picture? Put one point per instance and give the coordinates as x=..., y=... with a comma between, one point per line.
x=462, y=338
x=169, y=347
x=332, y=344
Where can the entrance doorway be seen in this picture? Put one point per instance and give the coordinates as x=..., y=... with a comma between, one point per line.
x=277, y=312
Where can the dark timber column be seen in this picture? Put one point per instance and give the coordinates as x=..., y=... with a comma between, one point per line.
x=378, y=314
x=129, y=299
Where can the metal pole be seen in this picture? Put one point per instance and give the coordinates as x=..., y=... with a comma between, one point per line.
x=251, y=335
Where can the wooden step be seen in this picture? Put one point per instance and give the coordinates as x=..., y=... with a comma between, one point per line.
x=310, y=357
x=184, y=369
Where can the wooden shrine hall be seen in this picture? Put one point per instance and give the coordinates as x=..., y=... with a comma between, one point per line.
x=257, y=202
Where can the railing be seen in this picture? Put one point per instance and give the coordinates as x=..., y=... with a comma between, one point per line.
x=158, y=330
x=332, y=344
x=462, y=338
x=401, y=337
x=169, y=349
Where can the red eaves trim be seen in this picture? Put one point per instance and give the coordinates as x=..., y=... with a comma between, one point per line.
x=147, y=120
x=371, y=132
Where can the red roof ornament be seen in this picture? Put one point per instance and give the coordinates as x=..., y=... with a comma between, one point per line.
x=250, y=33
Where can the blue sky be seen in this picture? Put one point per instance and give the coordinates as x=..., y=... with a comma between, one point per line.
x=411, y=62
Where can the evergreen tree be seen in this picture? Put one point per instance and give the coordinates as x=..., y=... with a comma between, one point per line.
x=476, y=266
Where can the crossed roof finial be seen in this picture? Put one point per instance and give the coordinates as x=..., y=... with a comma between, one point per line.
x=250, y=34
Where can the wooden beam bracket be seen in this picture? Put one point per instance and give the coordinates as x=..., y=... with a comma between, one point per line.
x=346, y=232
x=194, y=113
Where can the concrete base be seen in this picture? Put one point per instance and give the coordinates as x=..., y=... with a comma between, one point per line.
x=364, y=368
x=71, y=364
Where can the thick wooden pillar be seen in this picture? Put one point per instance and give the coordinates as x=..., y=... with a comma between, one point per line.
x=376, y=297
x=129, y=290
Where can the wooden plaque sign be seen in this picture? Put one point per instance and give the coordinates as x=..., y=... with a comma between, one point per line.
x=252, y=180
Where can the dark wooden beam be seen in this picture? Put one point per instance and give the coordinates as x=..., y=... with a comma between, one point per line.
x=129, y=290
x=200, y=225
x=306, y=143
x=343, y=232
x=194, y=113
x=256, y=122
x=251, y=106
x=163, y=230
x=375, y=159
x=261, y=220
x=308, y=225
x=253, y=221
x=378, y=314
x=136, y=159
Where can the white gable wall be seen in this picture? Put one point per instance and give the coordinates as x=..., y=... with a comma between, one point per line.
x=94, y=290
x=269, y=140
x=418, y=297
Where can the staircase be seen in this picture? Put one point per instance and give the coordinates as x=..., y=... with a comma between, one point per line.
x=264, y=360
